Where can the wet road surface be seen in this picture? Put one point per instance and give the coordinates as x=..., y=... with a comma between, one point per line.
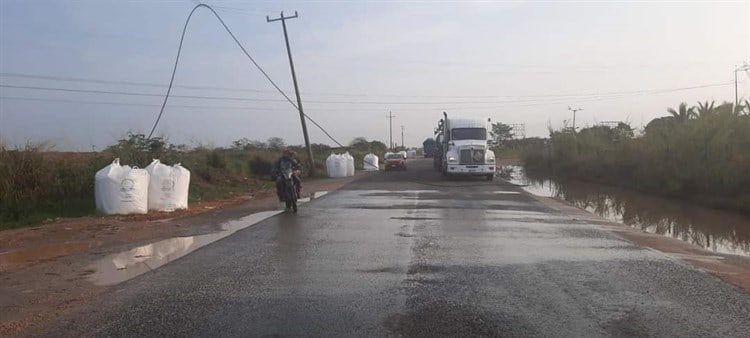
x=720, y=231
x=411, y=254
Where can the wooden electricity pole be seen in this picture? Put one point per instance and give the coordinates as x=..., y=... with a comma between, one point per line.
x=283, y=19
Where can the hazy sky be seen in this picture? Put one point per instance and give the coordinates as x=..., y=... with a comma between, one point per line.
x=515, y=62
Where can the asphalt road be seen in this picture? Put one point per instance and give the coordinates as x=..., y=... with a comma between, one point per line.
x=411, y=254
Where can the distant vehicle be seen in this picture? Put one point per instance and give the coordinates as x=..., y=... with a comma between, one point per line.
x=429, y=148
x=464, y=148
x=394, y=161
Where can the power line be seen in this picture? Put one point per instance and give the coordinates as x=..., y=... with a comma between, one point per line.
x=115, y=92
x=37, y=99
x=156, y=105
x=533, y=101
x=128, y=83
x=157, y=85
x=179, y=51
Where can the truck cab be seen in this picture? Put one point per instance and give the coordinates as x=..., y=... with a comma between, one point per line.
x=466, y=148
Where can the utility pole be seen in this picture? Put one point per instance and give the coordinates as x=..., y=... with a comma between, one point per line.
x=390, y=117
x=402, y=137
x=283, y=19
x=745, y=67
x=574, y=110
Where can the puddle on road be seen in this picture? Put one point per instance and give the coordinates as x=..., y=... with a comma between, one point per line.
x=715, y=230
x=120, y=267
x=505, y=192
x=18, y=258
x=315, y=195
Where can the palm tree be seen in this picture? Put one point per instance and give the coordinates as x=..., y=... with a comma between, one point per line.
x=704, y=109
x=683, y=113
x=729, y=108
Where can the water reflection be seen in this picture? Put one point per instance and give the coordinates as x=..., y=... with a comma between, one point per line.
x=125, y=265
x=120, y=267
x=715, y=230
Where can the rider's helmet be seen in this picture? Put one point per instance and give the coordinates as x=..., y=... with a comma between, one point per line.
x=287, y=152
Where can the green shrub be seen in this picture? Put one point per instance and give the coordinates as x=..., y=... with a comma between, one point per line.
x=704, y=159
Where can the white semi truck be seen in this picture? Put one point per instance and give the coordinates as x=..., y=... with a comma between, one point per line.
x=463, y=148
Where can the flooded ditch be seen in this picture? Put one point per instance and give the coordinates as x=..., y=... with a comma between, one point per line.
x=715, y=230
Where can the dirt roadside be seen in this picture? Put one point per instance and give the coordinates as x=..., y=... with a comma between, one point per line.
x=44, y=270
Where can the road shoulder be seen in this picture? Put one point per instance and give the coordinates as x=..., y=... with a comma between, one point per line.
x=730, y=268
x=45, y=270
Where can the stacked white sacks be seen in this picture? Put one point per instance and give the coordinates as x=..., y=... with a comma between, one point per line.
x=349, y=164
x=168, y=186
x=121, y=189
x=371, y=162
x=340, y=165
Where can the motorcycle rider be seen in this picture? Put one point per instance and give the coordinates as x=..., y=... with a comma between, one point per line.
x=287, y=157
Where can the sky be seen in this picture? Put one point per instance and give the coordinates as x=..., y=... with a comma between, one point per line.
x=99, y=69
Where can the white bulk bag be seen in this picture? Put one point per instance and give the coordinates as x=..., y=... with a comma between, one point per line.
x=349, y=164
x=341, y=169
x=181, y=186
x=336, y=166
x=329, y=165
x=121, y=189
x=168, y=186
x=371, y=162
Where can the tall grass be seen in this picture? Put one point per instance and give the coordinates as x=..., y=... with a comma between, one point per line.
x=37, y=184
x=704, y=159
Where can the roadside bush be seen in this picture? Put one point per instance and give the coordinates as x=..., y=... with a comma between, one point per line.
x=38, y=184
x=216, y=159
x=703, y=159
x=260, y=167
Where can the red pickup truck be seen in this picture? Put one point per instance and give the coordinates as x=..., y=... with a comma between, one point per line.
x=395, y=161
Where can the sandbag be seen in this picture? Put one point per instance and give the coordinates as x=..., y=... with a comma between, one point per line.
x=329, y=165
x=371, y=162
x=121, y=190
x=349, y=164
x=336, y=166
x=168, y=187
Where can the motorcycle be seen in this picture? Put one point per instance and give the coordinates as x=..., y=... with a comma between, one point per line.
x=290, y=190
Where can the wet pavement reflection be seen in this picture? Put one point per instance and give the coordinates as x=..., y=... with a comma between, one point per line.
x=122, y=266
x=715, y=230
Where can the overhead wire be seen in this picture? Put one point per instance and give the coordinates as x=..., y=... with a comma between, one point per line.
x=147, y=84
x=179, y=51
x=37, y=99
x=231, y=98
